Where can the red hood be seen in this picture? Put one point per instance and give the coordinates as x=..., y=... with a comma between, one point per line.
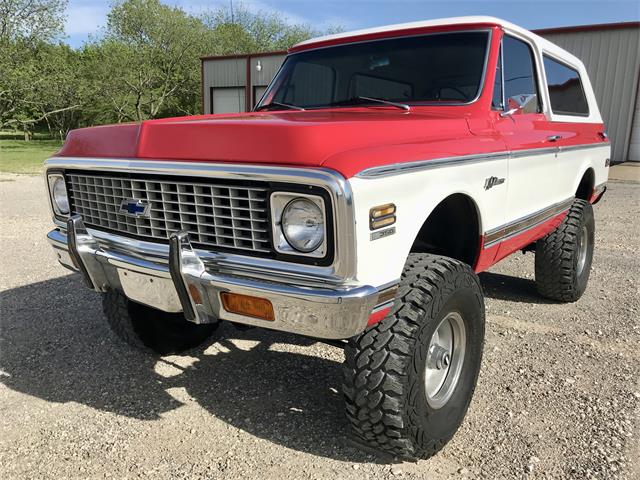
x=306, y=139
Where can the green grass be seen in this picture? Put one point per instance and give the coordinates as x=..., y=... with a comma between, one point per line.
x=18, y=156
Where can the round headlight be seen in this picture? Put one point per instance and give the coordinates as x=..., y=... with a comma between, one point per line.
x=59, y=195
x=303, y=225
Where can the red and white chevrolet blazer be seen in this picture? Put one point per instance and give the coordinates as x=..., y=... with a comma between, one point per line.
x=380, y=172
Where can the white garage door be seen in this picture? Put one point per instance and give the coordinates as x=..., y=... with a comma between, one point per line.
x=634, y=144
x=227, y=100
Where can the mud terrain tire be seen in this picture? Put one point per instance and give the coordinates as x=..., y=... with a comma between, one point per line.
x=385, y=372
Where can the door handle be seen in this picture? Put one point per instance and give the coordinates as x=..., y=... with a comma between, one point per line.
x=554, y=138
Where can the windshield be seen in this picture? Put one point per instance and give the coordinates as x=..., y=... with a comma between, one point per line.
x=443, y=67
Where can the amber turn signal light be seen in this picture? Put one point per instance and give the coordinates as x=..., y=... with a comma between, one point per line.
x=382, y=216
x=247, y=305
x=195, y=294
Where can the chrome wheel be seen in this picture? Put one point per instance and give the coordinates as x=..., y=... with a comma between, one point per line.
x=445, y=358
x=583, y=244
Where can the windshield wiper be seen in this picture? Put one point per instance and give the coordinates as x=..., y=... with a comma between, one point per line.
x=360, y=99
x=279, y=104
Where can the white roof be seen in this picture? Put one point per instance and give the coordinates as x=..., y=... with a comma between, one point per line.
x=507, y=26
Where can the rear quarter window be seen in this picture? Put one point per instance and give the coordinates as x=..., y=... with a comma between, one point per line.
x=565, y=89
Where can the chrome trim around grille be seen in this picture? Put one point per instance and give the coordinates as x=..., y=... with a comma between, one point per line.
x=214, y=214
x=343, y=267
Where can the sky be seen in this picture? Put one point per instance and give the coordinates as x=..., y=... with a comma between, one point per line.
x=85, y=18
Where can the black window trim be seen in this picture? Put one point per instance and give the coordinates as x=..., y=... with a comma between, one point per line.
x=483, y=76
x=536, y=70
x=570, y=67
x=500, y=65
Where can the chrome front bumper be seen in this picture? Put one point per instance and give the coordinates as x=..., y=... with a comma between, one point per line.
x=184, y=282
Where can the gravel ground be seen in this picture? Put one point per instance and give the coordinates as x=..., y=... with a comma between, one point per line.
x=558, y=395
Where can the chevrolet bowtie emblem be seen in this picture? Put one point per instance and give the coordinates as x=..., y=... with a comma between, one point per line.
x=135, y=208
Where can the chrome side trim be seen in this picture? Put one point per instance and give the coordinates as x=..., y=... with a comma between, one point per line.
x=344, y=264
x=570, y=148
x=533, y=152
x=520, y=225
x=419, y=165
x=408, y=167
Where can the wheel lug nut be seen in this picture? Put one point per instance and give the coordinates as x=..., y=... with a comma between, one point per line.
x=446, y=359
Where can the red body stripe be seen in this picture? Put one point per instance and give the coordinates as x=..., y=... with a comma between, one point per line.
x=487, y=256
x=492, y=255
x=378, y=316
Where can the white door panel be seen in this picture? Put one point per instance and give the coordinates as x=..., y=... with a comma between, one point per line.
x=533, y=183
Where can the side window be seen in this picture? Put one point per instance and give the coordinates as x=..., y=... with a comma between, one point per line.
x=520, y=87
x=565, y=89
x=497, y=100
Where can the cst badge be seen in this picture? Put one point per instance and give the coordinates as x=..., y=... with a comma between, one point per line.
x=383, y=233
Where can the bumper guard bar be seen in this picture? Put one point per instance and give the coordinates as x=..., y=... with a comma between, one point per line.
x=185, y=284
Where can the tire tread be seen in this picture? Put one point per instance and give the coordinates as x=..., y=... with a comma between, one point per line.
x=555, y=253
x=380, y=398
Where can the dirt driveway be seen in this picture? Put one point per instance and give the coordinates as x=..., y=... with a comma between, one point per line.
x=558, y=396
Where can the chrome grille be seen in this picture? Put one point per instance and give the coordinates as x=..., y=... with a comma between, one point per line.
x=215, y=214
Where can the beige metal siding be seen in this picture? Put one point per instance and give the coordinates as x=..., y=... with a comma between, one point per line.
x=269, y=66
x=634, y=144
x=224, y=72
x=612, y=59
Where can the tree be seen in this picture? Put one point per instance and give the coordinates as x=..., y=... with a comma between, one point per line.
x=146, y=65
x=243, y=31
x=38, y=85
x=31, y=19
x=148, y=59
x=32, y=69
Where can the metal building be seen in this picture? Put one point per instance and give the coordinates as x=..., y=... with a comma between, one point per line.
x=610, y=52
x=225, y=88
